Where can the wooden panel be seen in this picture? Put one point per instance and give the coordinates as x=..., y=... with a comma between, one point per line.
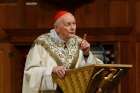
x=33, y=17
x=86, y=16
x=9, y=17
x=96, y=14
x=137, y=67
x=17, y=67
x=7, y=1
x=3, y=35
x=119, y=14
x=126, y=58
x=5, y=80
x=11, y=69
x=137, y=16
x=132, y=60
x=93, y=15
x=119, y=0
x=2, y=71
x=104, y=14
x=123, y=59
x=26, y=36
x=36, y=17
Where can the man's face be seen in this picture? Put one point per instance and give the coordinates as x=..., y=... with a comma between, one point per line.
x=67, y=27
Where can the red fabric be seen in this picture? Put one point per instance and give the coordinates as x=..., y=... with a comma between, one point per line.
x=59, y=14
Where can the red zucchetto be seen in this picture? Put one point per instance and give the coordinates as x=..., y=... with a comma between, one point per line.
x=59, y=14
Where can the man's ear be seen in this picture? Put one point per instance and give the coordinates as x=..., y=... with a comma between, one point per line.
x=56, y=29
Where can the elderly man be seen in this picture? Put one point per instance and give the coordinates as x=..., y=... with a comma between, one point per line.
x=55, y=52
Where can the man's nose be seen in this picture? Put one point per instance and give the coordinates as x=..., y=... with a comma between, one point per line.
x=72, y=27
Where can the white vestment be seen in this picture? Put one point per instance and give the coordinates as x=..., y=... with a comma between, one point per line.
x=39, y=65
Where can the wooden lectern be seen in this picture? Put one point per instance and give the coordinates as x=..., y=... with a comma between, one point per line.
x=99, y=78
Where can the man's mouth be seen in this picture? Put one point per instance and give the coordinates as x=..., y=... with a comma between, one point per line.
x=72, y=32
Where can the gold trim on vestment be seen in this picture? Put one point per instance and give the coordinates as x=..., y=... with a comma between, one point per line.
x=63, y=56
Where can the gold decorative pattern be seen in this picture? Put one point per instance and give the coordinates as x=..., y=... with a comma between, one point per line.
x=92, y=79
x=63, y=56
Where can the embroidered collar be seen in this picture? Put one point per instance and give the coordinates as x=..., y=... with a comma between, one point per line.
x=53, y=34
x=54, y=45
